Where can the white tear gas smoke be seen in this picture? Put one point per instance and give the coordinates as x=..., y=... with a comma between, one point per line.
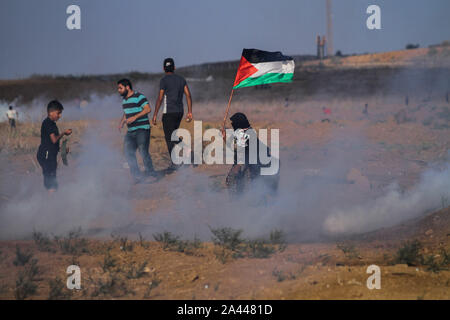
x=96, y=194
x=394, y=207
x=94, y=107
x=299, y=208
x=94, y=191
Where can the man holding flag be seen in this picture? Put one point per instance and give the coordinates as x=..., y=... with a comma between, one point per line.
x=259, y=67
x=256, y=67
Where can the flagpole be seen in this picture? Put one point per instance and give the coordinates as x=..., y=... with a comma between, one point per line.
x=228, y=109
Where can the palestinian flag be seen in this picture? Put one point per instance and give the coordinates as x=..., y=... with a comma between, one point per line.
x=261, y=67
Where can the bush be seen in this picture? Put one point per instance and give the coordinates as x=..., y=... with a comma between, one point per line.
x=25, y=285
x=232, y=245
x=72, y=243
x=410, y=46
x=112, y=285
x=173, y=243
x=136, y=271
x=43, y=242
x=227, y=237
x=349, y=250
x=58, y=290
x=167, y=239
x=410, y=253
x=109, y=263
x=22, y=258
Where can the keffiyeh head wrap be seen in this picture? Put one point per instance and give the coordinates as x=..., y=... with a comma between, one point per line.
x=239, y=121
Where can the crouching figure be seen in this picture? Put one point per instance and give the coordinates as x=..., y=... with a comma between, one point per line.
x=246, y=174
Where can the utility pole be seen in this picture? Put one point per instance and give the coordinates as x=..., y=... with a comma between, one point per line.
x=330, y=51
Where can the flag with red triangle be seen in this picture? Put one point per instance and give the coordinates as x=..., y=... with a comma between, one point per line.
x=262, y=67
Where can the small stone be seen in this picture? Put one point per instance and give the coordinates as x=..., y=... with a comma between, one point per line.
x=429, y=232
x=354, y=282
x=148, y=270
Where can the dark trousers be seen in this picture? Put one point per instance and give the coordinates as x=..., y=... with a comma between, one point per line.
x=138, y=140
x=12, y=123
x=171, y=122
x=47, y=160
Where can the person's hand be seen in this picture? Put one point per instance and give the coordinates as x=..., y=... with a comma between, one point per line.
x=189, y=117
x=131, y=120
x=121, y=125
x=154, y=121
x=68, y=132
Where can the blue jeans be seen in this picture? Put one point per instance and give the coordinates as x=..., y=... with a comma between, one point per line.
x=138, y=140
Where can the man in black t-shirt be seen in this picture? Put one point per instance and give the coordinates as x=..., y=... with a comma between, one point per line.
x=171, y=90
x=49, y=147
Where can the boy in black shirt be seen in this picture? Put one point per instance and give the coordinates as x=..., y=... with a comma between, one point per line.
x=49, y=148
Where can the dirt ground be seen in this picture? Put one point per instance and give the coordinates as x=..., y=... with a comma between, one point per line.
x=392, y=149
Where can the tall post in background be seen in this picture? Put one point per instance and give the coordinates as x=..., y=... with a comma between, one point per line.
x=329, y=29
x=318, y=48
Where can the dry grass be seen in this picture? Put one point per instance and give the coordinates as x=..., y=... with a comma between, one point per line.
x=25, y=139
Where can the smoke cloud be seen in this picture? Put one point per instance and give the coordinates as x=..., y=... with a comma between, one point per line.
x=394, y=207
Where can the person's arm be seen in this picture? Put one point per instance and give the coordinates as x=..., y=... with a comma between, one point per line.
x=187, y=92
x=145, y=110
x=158, y=105
x=55, y=138
x=122, y=122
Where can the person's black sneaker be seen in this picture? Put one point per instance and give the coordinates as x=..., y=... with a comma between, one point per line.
x=137, y=180
x=172, y=168
x=152, y=173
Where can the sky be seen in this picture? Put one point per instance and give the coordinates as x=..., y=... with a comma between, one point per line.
x=136, y=35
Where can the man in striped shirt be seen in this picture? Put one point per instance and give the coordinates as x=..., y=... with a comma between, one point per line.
x=136, y=109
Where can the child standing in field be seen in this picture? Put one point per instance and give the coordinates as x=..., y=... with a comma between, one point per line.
x=49, y=148
x=12, y=116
